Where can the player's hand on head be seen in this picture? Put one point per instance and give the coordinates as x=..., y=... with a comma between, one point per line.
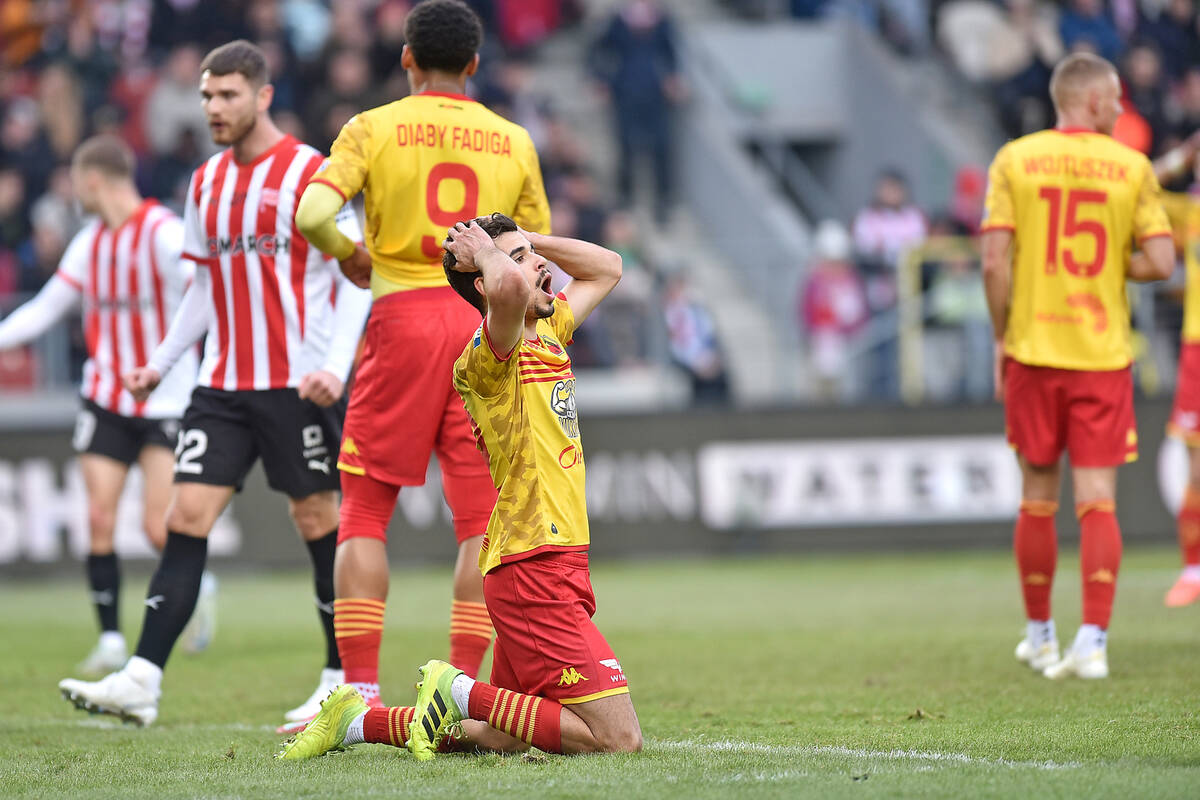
x=357, y=268
x=141, y=382
x=321, y=387
x=465, y=241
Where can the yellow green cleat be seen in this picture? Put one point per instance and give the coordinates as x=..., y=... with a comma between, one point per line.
x=327, y=730
x=436, y=710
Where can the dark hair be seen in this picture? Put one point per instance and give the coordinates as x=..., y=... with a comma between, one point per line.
x=108, y=154
x=240, y=56
x=464, y=282
x=443, y=35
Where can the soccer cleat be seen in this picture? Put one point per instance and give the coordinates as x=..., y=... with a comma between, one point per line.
x=1185, y=592
x=107, y=656
x=1089, y=666
x=1038, y=657
x=330, y=680
x=327, y=731
x=202, y=627
x=436, y=710
x=117, y=694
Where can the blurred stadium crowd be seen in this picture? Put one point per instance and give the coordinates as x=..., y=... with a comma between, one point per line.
x=1004, y=50
x=70, y=68
x=73, y=68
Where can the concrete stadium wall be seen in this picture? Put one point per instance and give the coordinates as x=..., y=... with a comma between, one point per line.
x=692, y=484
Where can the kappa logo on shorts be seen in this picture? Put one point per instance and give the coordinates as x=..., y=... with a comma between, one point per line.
x=570, y=677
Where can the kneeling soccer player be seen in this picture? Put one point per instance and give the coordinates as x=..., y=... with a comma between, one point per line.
x=556, y=684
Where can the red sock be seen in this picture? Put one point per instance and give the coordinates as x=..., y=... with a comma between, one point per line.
x=470, y=635
x=387, y=725
x=1189, y=528
x=533, y=720
x=358, y=626
x=1099, y=559
x=1036, y=546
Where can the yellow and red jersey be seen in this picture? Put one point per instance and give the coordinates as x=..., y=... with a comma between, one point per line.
x=1184, y=213
x=1076, y=201
x=424, y=163
x=522, y=406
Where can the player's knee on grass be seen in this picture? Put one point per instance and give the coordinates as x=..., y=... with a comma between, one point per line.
x=627, y=739
x=314, y=516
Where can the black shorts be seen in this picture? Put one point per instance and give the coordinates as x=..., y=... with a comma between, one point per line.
x=224, y=433
x=103, y=433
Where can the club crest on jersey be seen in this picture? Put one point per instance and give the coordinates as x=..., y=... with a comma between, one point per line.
x=551, y=345
x=562, y=403
x=270, y=197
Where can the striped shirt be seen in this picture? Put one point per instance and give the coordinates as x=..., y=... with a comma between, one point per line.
x=270, y=318
x=131, y=283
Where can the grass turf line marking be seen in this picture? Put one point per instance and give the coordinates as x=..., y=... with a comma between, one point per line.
x=733, y=746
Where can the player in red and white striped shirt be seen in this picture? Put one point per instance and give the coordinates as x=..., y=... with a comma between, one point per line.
x=125, y=267
x=278, y=352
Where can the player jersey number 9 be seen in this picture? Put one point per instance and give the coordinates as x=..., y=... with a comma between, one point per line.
x=446, y=217
x=1073, y=227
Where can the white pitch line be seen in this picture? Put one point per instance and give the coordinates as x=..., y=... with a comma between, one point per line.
x=733, y=746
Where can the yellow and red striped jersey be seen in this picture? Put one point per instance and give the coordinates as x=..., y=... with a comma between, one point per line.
x=522, y=407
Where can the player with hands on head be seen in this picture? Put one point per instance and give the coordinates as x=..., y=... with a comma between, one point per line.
x=555, y=683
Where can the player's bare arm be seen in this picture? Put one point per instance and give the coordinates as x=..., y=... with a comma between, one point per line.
x=1154, y=262
x=594, y=270
x=996, y=246
x=507, y=287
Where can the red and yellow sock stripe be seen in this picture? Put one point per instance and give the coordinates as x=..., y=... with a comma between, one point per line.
x=515, y=714
x=470, y=619
x=357, y=616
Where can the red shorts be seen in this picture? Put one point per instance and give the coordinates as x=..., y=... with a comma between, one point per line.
x=546, y=642
x=403, y=407
x=1185, y=416
x=1090, y=414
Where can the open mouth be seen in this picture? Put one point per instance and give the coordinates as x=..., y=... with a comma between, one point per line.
x=544, y=284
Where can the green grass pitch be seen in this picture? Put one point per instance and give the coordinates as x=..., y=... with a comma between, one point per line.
x=850, y=676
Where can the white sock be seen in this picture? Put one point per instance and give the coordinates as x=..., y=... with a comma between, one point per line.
x=1040, y=632
x=354, y=734
x=1089, y=639
x=1192, y=572
x=333, y=676
x=368, y=691
x=112, y=640
x=146, y=673
x=460, y=690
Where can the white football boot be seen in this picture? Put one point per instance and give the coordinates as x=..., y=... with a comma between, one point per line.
x=202, y=627
x=109, y=654
x=1087, y=658
x=1038, y=657
x=1039, y=648
x=330, y=680
x=117, y=694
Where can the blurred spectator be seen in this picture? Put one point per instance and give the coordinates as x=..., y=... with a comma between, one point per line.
x=507, y=89
x=693, y=343
x=591, y=215
x=348, y=91
x=966, y=205
x=93, y=66
x=1173, y=31
x=23, y=146
x=203, y=23
x=57, y=207
x=883, y=231
x=1186, y=113
x=635, y=59
x=14, y=222
x=958, y=306
x=1085, y=23
x=889, y=225
x=174, y=107
x=1145, y=89
x=61, y=109
x=265, y=20
x=389, y=41
x=130, y=92
x=832, y=310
